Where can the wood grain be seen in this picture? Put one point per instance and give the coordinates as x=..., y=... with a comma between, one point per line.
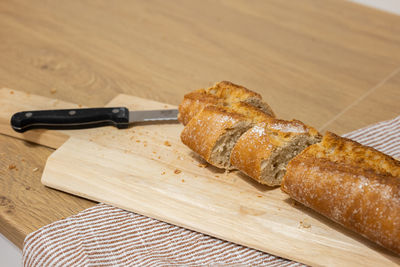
x=147, y=170
x=379, y=104
x=309, y=59
x=26, y=204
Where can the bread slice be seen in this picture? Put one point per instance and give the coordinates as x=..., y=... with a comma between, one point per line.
x=354, y=185
x=221, y=94
x=213, y=133
x=264, y=150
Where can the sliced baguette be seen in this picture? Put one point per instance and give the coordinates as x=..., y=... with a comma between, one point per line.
x=264, y=150
x=221, y=94
x=213, y=132
x=354, y=185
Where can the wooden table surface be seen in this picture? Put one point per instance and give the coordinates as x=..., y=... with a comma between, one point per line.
x=332, y=64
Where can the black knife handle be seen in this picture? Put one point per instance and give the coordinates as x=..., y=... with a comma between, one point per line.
x=70, y=118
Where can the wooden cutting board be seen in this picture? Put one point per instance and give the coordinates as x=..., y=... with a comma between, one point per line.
x=147, y=170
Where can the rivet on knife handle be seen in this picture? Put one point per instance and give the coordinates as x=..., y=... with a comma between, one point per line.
x=70, y=118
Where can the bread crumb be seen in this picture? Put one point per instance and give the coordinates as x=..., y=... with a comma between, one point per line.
x=183, y=180
x=137, y=141
x=53, y=91
x=154, y=152
x=202, y=165
x=165, y=106
x=162, y=173
x=159, y=157
x=23, y=160
x=304, y=224
x=293, y=202
x=217, y=176
x=35, y=169
x=12, y=166
x=177, y=171
x=167, y=143
x=145, y=145
x=79, y=105
x=11, y=92
x=259, y=196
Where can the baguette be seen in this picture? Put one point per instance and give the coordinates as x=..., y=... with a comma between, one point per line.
x=264, y=150
x=354, y=185
x=221, y=94
x=213, y=132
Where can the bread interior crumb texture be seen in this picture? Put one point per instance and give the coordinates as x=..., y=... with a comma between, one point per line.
x=261, y=105
x=222, y=150
x=273, y=168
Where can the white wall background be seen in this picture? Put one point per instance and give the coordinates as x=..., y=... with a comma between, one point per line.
x=11, y=256
x=392, y=6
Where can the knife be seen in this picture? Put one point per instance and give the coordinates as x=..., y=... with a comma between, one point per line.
x=119, y=117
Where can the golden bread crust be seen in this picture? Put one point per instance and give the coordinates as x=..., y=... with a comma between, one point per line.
x=203, y=131
x=262, y=140
x=193, y=103
x=221, y=94
x=354, y=185
x=252, y=113
x=344, y=150
x=250, y=149
x=231, y=92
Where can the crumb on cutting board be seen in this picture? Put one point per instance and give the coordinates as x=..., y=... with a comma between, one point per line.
x=167, y=143
x=53, y=91
x=162, y=173
x=202, y=165
x=304, y=224
x=177, y=171
x=35, y=169
x=183, y=180
x=12, y=166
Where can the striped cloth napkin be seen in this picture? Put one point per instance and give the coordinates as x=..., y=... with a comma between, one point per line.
x=107, y=236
